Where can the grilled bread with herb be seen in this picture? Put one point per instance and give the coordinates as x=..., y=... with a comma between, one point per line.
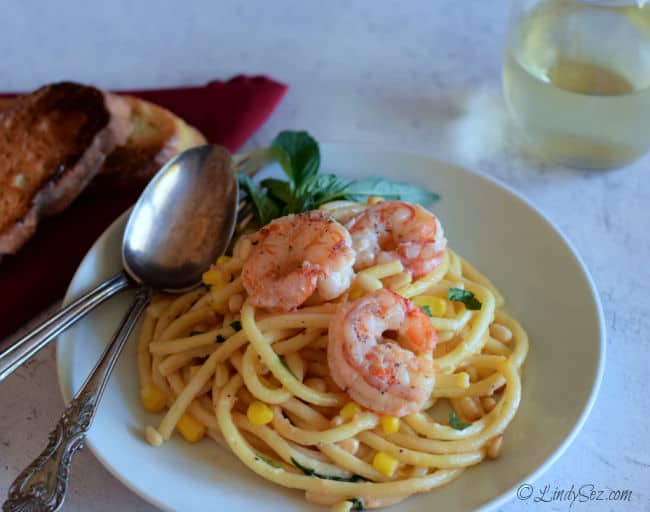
x=52, y=144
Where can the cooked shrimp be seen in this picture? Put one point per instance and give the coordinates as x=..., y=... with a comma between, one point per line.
x=394, y=230
x=296, y=256
x=385, y=375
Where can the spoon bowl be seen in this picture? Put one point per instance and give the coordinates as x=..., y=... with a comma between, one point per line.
x=183, y=220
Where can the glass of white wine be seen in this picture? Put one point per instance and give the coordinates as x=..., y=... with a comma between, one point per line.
x=577, y=79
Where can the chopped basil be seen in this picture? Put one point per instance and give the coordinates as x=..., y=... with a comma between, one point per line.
x=311, y=472
x=236, y=325
x=427, y=310
x=464, y=296
x=455, y=422
x=270, y=462
x=219, y=339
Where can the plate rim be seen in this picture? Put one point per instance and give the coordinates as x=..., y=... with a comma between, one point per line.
x=337, y=146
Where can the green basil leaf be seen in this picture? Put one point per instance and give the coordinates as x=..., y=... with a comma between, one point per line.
x=311, y=472
x=265, y=208
x=464, y=296
x=298, y=154
x=376, y=186
x=427, y=310
x=236, y=325
x=290, y=200
x=305, y=470
x=300, y=202
x=219, y=338
x=279, y=189
x=325, y=188
x=270, y=462
x=455, y=422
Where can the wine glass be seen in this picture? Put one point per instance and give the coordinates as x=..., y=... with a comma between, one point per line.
x=576, y=78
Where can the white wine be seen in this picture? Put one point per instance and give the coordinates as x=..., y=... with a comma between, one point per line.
x=577, y=81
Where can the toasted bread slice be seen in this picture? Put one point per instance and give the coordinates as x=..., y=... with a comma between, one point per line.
x=156, y=136
x=52, y=143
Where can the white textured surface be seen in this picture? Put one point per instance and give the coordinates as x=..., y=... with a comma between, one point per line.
x=418, y=75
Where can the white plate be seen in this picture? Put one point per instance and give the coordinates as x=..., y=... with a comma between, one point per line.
x=546, y=286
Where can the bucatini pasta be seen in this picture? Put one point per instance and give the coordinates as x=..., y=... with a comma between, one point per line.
x=345, y=352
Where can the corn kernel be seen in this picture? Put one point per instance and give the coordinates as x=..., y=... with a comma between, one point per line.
x=215, y=277
x=390, y=424
x=259, y=413
x=436, y=305
x=190, y=428
x=384, y=463
x=153, y=400
x=349, y=410
x=222, y=260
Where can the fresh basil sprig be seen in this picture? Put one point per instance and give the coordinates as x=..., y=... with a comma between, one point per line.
x=306, y=189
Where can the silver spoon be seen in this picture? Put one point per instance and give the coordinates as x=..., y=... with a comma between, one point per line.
x=19, y=349
x=182, y=222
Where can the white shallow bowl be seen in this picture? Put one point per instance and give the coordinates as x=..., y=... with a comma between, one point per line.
x=546, y=286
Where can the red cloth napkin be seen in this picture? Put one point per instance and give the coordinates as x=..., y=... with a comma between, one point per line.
x=227, y=113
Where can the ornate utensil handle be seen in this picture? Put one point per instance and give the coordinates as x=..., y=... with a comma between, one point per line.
x=43, y=484
x=20, y=350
